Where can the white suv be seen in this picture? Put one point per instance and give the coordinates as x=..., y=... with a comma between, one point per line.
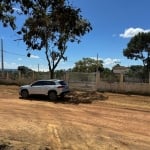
x=52, y=88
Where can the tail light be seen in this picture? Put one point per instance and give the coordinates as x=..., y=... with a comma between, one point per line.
x=61, y=86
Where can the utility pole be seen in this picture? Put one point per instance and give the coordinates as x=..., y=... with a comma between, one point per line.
x=38, y=68
x=2, y=58
x=97, y=63
x=148, y=63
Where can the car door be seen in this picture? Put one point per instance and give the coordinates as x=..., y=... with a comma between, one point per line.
x=37, y=87
x=48, y=85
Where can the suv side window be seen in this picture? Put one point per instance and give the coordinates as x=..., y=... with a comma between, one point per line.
x=38, y=83
x=50, y=83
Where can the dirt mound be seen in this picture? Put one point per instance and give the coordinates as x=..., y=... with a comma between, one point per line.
x=86, y=96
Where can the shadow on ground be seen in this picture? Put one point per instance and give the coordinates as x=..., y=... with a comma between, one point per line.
x=74, y=97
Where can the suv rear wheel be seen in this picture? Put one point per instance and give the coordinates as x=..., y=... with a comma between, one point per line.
x=24, y=94
x=52, y=95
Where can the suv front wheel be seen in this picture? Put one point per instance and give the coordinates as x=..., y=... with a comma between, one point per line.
x=24, y=94
x=52, y=95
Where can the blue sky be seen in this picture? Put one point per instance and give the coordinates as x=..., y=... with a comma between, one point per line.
x=114, y=22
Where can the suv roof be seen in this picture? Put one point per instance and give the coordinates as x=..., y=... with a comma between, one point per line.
x=50, y=80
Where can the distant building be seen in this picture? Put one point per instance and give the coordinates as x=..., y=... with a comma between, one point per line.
x=120, y=69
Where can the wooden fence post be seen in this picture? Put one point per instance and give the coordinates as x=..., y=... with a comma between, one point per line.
x=7, y=76
x=67, y=77
x=97, y=79
x=121, y=78
x=33, y=76
x=19, y=73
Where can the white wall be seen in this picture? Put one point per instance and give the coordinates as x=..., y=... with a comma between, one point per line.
x=139, y=88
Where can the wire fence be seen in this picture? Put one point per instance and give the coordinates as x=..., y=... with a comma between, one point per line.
x=70, y=77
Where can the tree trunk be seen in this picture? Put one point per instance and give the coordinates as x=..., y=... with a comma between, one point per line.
x=51, y=74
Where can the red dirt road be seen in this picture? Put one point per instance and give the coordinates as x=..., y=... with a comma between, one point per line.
x=122, y=122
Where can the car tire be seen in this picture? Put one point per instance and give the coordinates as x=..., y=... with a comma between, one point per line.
x=24, y=94
x=52, y=95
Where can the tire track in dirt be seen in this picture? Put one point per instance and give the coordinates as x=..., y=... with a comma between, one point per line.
x=54, y=137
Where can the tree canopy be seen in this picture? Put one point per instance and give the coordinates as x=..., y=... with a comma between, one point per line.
x=88, y=65
x=6, y=11
x=8, y=8
x=139, y=48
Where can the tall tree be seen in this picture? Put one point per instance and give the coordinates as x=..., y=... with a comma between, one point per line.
x=50, y=26
x=139, y=48
x=88, y=65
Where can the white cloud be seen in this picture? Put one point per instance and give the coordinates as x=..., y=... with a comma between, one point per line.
x=34, y=56
x=11, y=65
x=131, y=32
x=109, y=62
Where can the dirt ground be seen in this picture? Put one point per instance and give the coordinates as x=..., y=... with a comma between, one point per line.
x=82, y=121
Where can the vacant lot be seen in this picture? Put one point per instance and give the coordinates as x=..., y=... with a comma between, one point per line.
x=117, y=122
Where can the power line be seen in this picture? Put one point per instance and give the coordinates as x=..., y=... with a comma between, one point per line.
x=12, y=53
x=2, y=56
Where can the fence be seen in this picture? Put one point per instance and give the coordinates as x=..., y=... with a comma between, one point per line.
x=17, y=78
x=86, y=81
x=74, y=76
x=74, y=79
x=124, y=84
x=124, y=87
x=82, y=81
